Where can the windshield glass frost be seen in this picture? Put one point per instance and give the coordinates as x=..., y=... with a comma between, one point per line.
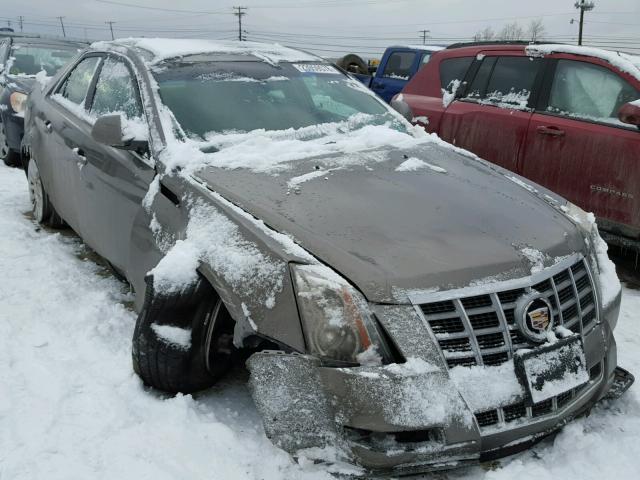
x=30, y=59
x=234, y=97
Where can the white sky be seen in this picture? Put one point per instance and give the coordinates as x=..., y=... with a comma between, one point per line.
x=328, y=27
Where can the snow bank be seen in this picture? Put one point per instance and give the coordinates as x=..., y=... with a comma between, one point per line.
x=627, y=63
x=70, y=404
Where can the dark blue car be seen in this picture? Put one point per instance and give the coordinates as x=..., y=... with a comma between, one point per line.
x=22, y=58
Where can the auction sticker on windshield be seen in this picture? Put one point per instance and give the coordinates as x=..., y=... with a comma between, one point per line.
x=315, y=68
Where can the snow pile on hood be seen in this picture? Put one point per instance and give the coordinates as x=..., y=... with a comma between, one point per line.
x=627, y=63
x=413, y=164
x=263, y=151
x=213, y=239
x=165, y=48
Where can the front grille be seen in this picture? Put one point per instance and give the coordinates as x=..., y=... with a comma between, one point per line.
x=481, y=329
x=518, y=411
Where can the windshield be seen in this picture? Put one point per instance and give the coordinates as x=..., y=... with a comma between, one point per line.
x=31, y=59
x=223, y=97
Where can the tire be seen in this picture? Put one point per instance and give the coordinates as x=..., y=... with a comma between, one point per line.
x=41, y=206
x=354, y=64
x=175, y=368
x=8, y=156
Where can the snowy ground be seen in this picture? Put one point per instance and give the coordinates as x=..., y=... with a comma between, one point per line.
x=72, y=408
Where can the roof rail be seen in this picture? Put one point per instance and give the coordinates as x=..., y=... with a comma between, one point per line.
x=495, y=42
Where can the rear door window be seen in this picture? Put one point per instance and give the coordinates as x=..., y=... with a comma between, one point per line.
x=505, y=81
x=76, y=85
x=116, y=91
x=589, y=92
x=453, y=71
x=399, y=65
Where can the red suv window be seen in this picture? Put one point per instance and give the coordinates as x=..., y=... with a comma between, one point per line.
x=453, y=69
x=589, y=92
x=505, y=80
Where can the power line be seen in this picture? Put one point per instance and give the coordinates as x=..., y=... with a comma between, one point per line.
x=160, y=9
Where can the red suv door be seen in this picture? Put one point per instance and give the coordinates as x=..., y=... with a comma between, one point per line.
x=577, y=146
x=492, y=115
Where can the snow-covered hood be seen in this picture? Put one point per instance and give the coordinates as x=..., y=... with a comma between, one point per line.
x=421, y=218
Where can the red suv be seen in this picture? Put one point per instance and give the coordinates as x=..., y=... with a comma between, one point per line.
x=565, y=117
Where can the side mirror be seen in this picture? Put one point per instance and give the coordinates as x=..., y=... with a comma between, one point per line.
x=108, y=130
x=630, y=113
x=402, y=107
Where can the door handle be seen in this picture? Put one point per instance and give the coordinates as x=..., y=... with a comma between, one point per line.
x=553, y=131
x=80, y=157
x=47, y=126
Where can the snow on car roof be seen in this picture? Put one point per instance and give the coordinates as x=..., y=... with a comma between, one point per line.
x=625, y=62
x=429, y=48
x=165, y=48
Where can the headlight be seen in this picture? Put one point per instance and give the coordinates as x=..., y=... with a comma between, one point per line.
x=18, y=101
x=337, y=323
x=584, y=220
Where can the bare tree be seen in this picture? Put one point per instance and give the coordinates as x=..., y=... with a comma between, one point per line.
x=485, y=35
x=511, y=32
x=536, y=30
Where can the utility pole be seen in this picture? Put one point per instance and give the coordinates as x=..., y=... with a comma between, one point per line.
x=583, y=6
x=111, y=28
x=20, y=20
x=425, y=34
x=240, y=12
x=9, y=23
x=64, y=34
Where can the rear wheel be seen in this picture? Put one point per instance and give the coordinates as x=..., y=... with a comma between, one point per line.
x=41, y=206
x=8, y=156
x=183, y=342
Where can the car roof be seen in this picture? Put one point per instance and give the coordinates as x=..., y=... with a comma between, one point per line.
x=48, y=42
x=628, y=63
x=427, y=48
x=156, y=50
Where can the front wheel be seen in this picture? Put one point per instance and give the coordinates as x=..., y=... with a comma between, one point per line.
x=41, y=206
x=183, y=342
x=8, y=156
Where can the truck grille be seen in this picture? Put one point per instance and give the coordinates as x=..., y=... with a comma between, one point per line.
x=481, y=329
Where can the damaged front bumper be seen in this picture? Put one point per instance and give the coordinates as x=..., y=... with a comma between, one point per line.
x=409, y=418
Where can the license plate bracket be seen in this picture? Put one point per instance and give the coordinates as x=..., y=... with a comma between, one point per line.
x=551, y=370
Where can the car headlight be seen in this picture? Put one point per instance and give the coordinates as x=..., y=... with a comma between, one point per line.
x=585, y=221
x=337, y=322
x=18, y=101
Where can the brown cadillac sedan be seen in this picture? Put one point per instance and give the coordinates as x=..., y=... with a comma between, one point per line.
x=400, y=301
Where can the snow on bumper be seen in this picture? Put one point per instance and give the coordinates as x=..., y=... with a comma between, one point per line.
x=405, y=417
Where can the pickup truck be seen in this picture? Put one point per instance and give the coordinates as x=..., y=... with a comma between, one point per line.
x=398, y=65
